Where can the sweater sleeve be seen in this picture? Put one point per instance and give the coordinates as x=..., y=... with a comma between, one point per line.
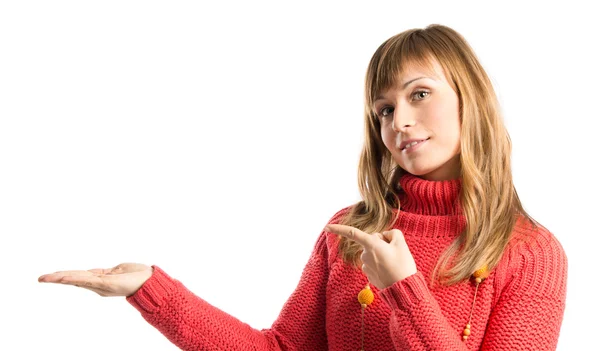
x=191, y=323
x=530, y=311
x=527, y=316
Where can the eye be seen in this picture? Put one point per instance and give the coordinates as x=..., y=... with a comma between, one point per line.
x=420, y=94
x=385, y=111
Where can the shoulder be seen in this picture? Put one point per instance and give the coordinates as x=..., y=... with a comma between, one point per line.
x=536, y=244
x=526, y=232
x=534, y=262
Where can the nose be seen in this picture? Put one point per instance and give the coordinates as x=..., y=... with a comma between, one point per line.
x=403, y=118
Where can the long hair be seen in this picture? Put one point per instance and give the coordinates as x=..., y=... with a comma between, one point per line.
x=488, y=197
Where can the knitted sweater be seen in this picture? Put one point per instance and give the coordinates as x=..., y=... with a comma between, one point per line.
x=520, y=306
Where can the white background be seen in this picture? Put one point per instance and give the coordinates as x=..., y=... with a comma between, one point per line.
x=216, y=140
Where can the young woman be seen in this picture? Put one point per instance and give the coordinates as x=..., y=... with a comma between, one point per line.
x=439, y=254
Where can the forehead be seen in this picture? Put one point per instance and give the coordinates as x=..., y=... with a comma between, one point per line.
x=413, y=70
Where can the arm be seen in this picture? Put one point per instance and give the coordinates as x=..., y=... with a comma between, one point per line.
x=193, y=324
x=417, y=322
x=527, y=316
x=530, y=311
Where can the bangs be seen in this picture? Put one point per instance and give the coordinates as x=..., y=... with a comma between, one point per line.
x=392, y=59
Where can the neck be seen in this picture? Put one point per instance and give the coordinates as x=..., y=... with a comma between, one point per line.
x=430, y=197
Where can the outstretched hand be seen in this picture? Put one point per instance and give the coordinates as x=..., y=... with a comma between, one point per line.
x=122, y=280
x=386, y=258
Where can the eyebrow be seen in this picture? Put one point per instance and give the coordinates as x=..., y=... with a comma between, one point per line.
x=403, y=86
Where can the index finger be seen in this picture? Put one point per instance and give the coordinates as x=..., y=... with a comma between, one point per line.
x=366, y=240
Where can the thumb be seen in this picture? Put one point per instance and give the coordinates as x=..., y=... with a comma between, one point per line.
x=393, y=236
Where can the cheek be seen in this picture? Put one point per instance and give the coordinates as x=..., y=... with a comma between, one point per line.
x=446, y=121
x=389, y=137
x=451, y=128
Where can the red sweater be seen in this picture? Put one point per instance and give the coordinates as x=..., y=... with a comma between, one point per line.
x=520, y=306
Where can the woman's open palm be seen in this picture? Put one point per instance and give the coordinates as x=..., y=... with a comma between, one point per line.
x=122, y=280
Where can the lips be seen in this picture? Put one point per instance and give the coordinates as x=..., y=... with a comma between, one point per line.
x=408, y=142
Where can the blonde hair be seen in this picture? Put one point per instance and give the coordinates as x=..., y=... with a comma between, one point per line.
x=488, y=197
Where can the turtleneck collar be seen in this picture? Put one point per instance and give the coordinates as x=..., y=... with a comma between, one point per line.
x=431, y=198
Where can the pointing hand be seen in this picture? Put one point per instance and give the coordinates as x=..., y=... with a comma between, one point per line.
x=386, y=258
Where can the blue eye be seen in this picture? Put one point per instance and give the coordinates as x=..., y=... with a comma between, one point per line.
x=421, y=92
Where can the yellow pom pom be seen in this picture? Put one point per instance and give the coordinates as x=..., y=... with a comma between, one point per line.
x=365, y=296
x=482, y=272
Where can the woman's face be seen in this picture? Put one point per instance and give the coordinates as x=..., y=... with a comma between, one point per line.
x=422, y=107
